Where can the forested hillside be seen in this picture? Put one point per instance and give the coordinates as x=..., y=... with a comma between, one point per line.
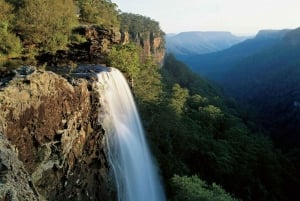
x=195, y=131
x=263, y=75
x=270, y=82
x=69, y=32
x=30, y=28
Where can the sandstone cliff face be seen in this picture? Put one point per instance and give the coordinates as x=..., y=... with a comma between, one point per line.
x=151, y=43
x=51, y=144
x=102, y=39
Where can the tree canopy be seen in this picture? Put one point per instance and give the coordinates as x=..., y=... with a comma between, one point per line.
x=135, y=23
x=194, y=189
x=102, y=12
x=125, y=58
x=193, y=130
x=46, y=24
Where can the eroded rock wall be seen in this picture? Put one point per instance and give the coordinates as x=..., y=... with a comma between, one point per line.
x=101, y=39
x=152, y=44
x=51, y=129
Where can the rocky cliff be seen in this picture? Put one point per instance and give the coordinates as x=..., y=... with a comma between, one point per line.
x=99, y=41
x=51, y=143
x=152, y=44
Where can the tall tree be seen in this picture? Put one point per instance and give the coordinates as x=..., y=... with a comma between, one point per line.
x=47, y=24
x=178, y=99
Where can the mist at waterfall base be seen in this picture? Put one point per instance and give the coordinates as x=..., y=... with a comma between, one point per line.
x=135, y=175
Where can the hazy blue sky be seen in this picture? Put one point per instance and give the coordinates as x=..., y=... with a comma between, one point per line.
x=237, y=16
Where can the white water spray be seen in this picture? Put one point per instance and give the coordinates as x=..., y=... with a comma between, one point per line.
x=135, y=175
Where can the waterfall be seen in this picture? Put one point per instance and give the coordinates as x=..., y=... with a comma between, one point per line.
x=135, y=175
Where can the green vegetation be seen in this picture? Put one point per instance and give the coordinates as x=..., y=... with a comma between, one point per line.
x=134, y=23
x=193, y=130
x=6, y=12
x=10, y=44
x=148, y=86
x=194, y=189
x=46, y=25
x=102, y=12
x=34, y=27
x=125, y=58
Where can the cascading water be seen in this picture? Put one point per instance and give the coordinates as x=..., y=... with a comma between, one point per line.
x=135, y=175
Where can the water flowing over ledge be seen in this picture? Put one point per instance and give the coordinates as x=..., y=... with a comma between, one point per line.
x=135, y=175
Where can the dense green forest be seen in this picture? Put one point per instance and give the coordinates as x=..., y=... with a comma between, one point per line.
x=203, y=147
x=194, y=130
x=200, y=142
x=29, y=28
x=263, y=75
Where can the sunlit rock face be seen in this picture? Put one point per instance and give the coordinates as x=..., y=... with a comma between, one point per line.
x=50, y=139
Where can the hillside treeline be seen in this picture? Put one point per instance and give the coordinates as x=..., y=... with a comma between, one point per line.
x=32, y=27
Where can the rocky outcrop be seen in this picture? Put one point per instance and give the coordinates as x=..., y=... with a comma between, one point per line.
x=152, y=44
x=99, y=42
x=101, y=39
x=51, y=143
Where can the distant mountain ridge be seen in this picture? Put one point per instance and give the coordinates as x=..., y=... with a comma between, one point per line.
x=198, y=42
x=212, y=64
x=269, y=33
